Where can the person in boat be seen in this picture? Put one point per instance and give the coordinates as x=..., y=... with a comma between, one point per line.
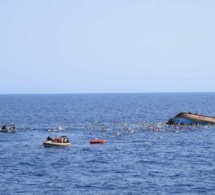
x=57, y=139
x=13, y=128
x=49, y=138
x=66, y=140
x=4, y=127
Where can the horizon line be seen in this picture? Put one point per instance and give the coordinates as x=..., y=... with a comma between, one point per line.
x=79, y=93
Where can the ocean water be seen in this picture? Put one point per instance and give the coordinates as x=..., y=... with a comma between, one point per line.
x=141, y=156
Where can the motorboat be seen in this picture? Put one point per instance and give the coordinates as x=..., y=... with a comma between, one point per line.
x=188, y=118
x=57, y=141
x=8, y=128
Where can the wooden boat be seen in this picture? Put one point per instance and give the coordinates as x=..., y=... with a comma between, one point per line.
x=97, y=141
x=58, y=141
x=10, y=128
x=188, y=118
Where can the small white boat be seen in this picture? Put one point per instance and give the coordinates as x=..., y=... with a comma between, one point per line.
x=58, y=141
x=10, y=128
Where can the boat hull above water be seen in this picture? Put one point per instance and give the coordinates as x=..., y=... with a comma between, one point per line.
x=184, y=118
x=50, y=143
x=58, y=141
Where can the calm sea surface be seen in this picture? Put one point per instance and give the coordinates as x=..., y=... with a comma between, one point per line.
x=141, y=156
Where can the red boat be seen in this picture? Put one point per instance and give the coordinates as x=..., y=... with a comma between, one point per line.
x=97, y=141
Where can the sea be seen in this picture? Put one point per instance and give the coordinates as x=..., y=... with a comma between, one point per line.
x=142, y=155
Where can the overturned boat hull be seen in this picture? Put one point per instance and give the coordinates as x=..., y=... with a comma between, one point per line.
x=184, y=118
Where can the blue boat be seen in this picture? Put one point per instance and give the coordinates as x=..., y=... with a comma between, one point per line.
x=188, y=118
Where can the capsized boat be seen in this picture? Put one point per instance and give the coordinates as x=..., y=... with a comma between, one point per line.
x=57, y=141
x=188, y=118
x=8, y=128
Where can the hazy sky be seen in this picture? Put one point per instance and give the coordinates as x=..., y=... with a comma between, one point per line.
x=99, y=46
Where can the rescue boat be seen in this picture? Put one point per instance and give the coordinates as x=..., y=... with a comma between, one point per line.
x=58, y=141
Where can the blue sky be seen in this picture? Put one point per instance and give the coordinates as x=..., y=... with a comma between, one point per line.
x=110, y=46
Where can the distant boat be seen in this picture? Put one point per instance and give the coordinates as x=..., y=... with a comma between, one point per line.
x=8, y=128
x=58, y=141
x=188, y=118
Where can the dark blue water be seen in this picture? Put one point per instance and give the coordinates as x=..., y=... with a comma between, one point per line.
x=141, y=156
